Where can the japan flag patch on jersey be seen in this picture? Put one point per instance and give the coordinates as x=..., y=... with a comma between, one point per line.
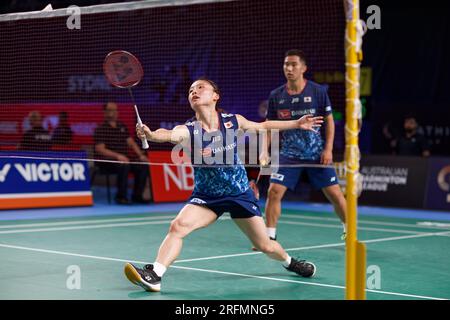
x=228, y=124
x=307, y=99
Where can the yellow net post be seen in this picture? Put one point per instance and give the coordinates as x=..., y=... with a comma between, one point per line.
x=355, y=250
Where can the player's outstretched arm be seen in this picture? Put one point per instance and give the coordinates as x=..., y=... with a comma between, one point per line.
x=179, y=134
x=307, y=122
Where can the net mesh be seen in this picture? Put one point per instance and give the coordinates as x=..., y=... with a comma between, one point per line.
x=51, y=74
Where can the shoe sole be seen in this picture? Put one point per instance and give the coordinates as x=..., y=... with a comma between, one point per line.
x=315, y=269
x=134, y=277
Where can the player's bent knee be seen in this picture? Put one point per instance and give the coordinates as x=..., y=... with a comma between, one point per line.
x=335, y=194
x=275, y=193
x=179, y=227
x=266, y=247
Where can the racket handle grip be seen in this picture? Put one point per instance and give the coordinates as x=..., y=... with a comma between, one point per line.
x=144, y=143
x=139, y=121
x=143, y=140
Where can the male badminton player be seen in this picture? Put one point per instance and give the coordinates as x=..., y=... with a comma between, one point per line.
x=217, y=189
x=296, y=98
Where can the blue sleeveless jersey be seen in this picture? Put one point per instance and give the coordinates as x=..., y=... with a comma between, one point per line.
x=221, y=172
x=300, y=144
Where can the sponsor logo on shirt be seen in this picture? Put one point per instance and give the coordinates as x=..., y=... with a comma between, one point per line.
x=227, y=115
x=284, y=114
x=197, y=200
x=277, y=176
x=333, y=179
x=281, y=101
x=328, y=108
x=228, y=147
x=44, y=137
x=303, y=112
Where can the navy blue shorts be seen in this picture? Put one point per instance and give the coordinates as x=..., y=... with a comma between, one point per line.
x=319, y=177
x=243, y=205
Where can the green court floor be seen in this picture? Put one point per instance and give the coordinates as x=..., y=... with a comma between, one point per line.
x=407, y=259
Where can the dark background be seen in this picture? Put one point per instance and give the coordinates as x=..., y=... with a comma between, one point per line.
x=410, y=60
x=237, y=44
x=409, y=57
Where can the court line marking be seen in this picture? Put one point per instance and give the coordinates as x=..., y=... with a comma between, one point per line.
x=171, y=216
x=330, y=245
x=434, y=224
x=381, y=223
x=340, y=227
x=63, y=223
x=309, y=283
x=168, y=221
x=444, y=234
x=215, y=271
x=98, y=226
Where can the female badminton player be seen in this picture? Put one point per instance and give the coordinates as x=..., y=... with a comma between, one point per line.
x=217, y=189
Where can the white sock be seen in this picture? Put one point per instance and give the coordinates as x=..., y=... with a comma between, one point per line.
x=344, y=226
x=287, y=262
x=272, y=232
x=159, y=269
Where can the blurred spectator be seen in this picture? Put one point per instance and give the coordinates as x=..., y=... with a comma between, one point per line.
x=183, y=84
x=113, y=142
x=410, y=142
x=37, y=138
x=62, y=133
x=161, y=82
x=389, y=134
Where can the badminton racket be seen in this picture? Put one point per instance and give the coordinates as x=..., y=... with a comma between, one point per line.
x=263, y=167
x=123, y=70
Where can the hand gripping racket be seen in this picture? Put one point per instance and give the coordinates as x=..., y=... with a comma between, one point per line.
x=123, y=70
